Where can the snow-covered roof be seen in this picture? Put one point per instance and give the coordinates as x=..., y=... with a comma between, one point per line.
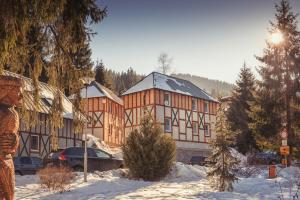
x=97, y=90
x=169, y=83
x=46, y=97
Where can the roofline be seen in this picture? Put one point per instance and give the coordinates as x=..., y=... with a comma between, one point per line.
x=187, y=81
x=137, y=83
x=45, y=85
x=39, y=82
x=95, y=83
x=153, y=86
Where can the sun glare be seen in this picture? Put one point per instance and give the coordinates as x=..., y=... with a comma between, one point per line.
x=277, y=37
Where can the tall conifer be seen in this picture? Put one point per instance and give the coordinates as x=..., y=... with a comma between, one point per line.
x=273, y=110
x=238, y=111
x=100, y=73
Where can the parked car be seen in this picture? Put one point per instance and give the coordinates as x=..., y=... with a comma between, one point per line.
x=52, y=158
x=263, y=158
x=73, y=157
x=27, y=165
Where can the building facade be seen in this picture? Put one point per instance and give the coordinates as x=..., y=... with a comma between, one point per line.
x=184, y=111
x=106, y=114
x=36, y=140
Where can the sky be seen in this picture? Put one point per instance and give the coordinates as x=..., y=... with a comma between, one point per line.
x=208, y=38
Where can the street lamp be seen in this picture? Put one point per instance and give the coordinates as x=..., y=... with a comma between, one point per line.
x=86, y=82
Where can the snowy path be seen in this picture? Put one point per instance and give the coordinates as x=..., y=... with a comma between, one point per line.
x=187, y=182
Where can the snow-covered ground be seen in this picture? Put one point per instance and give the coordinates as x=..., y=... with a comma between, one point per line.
x=184, y=182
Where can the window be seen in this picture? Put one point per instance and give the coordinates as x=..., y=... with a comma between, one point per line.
x=194, y=104
x=34, y=143
x=168, y=125
x=195, y=127
x=36, y=161
x=167, y=99
x=206, y=110
x=25, y=161
x=206, y=130
x=101, y=154
x=74, y=151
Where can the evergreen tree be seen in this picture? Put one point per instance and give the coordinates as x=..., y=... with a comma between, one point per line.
x=100, y=73
x=221, y=175
x=239, y=108
x=149, y=153
x=109, y=80
x=49, y=38
x=272, y=110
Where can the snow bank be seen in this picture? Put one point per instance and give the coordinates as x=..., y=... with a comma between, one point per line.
x=289, y=173
x=183, y=171
x=240, y=157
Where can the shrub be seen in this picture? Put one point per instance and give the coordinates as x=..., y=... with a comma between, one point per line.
x=56, y=178
x=148, y=152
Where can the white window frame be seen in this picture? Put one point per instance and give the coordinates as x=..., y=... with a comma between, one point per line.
x=206, y=107
x=193, y=128
x=194, y=105
x=170, y=124
x=38, y=143
x=206, y=131
x=167, y=102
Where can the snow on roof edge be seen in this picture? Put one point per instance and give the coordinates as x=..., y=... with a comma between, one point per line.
x=135, y=88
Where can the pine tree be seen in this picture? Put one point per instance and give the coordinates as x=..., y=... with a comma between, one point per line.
x=148, y=152
x=109, y=80
x=272, y=110
x=100, y=73
x=45, y=37
x=239, y=108
x=221, y=175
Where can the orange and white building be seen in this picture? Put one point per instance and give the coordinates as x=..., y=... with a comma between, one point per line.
x=106, y=114
x=184, y=111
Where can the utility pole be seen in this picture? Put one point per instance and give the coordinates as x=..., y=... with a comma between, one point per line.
x=86, y=83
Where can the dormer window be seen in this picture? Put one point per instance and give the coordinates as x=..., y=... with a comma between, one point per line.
x=167, y=99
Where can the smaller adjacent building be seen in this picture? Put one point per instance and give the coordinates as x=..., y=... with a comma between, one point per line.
x=185, y=111
x=36, y=141
x=105, y=111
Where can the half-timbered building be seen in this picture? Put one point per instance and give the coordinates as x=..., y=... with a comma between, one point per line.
x=106, y=114
x=36, y=140
x=185, y=111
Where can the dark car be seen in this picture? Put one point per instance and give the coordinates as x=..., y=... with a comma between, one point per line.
x=198, y=160
x=27, y=165
x=97, y=159
x=52, y=158
x=263, y=158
